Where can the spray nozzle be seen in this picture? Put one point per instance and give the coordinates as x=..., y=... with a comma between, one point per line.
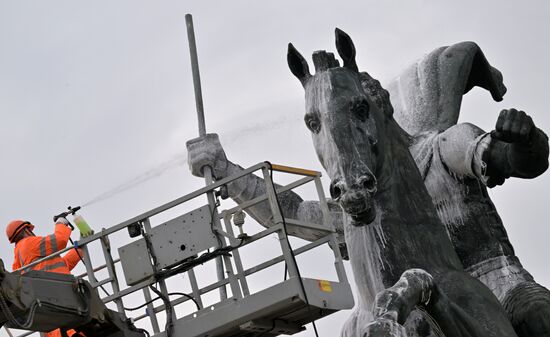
x=71, y=211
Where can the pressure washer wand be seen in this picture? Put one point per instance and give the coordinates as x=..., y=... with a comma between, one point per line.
x=79, y=221
x=71, y=211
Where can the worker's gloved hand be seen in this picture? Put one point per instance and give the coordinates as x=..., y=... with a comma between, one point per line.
x=62, y=221
x=207, y=151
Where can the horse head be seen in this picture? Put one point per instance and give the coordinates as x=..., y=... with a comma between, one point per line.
x=345, y=111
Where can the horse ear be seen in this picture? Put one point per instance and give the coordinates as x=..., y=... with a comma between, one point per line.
x=297, y=64
x=346, y=49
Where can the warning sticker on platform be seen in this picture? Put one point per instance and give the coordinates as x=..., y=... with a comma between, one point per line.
x=325, y=286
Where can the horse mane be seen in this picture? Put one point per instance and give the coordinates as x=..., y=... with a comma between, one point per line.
x=373, y=88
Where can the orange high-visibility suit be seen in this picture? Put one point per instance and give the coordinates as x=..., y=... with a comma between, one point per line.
x=32, y=248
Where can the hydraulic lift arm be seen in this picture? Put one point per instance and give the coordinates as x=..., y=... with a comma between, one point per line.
x=42, y=301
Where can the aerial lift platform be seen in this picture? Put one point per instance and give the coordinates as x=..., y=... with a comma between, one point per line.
x=161, y=253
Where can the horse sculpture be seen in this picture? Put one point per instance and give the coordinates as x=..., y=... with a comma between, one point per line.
x=393, y=231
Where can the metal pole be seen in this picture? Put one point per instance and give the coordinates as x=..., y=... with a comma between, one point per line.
x=278, y=220
x=151, y=311
x=196, y=74
x=202, y=131
x=111, y=269
x=327, y=221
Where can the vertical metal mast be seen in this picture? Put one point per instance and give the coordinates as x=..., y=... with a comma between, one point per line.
x=197, y=83
x=202, y=131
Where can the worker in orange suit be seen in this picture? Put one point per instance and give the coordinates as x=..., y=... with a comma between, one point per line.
x=29, y=248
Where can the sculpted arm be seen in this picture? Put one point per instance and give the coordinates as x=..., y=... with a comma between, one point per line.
x=207, y=151
x=516, y=148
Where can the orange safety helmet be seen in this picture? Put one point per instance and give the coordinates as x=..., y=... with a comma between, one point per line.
x=15, y=227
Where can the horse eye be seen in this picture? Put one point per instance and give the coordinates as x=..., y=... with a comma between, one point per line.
x=360, y=108
x=313, y=123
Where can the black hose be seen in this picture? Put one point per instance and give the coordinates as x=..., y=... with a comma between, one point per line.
x=169, y=294
x=290, y=248
x=169, y=327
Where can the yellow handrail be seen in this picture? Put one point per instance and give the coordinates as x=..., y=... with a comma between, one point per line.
x=295, y=170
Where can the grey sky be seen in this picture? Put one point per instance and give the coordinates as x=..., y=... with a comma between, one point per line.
x=93, y=94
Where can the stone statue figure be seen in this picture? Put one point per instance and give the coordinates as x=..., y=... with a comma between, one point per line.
x=455, y=161
x=426, y=99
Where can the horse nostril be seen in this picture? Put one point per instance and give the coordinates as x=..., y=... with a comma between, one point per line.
x=368, y=182
x=335, y=190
